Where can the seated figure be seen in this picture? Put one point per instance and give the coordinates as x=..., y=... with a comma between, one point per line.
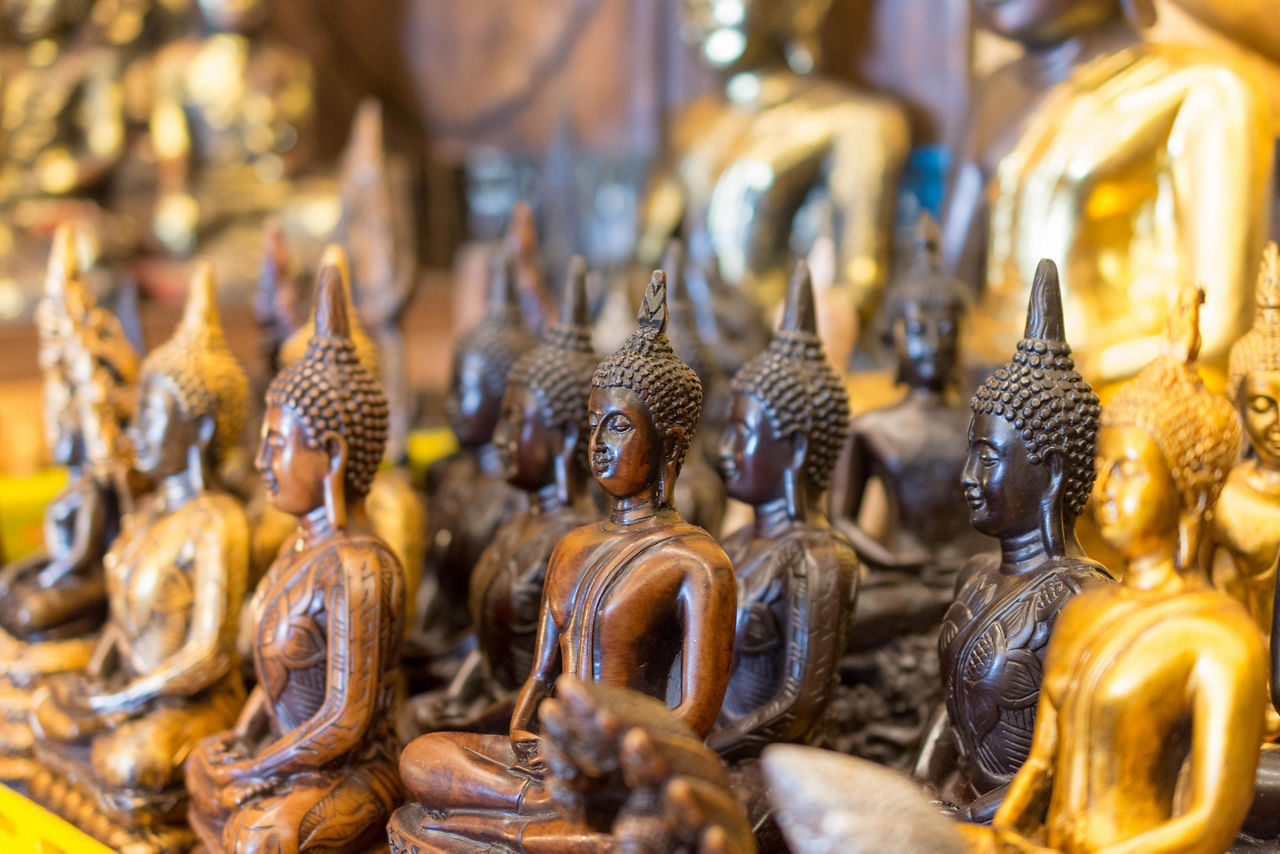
x=53, y=602
x=1027, y=478
x=1146, y=738
x=542, y=436
x=797, y=575
x=111, y=739
x=311, y=762
x=642, y=600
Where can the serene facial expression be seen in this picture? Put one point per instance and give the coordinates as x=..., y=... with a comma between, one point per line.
x=753, y=457
x=926, y=340
x=294, y=469
x=625, y=449
x=1001, y=486
x=1260, y=408
x=472, y=411
x=1037, y=22
x=162, y=433
x=525, y=440
x=1135, y=500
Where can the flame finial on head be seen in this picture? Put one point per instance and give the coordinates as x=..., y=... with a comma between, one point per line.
x=653, y=308
x=799, y=314
x=1044, y=307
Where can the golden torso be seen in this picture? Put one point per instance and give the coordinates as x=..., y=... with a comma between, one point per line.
x=1246, y=525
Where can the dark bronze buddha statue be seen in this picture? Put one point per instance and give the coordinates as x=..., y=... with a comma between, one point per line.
x=642, y=600
x=310, y=764
x=541, y=437
x=1027, y=478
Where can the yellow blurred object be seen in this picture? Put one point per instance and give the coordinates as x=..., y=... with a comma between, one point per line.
x=22, y=503
x=427, y=446
x=26, y=826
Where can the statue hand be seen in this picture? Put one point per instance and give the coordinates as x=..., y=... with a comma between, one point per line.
x=236, y=794
x=528, y=749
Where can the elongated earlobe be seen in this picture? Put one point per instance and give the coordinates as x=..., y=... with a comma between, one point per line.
x=1052, y=532
x=335, y=495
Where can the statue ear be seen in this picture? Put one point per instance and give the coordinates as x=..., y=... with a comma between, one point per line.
x=1190, y=534
x=667, y=476
x=335, y=494
x=563, y=462
x=1052, y=519
x=799, y=451
x=205, y=427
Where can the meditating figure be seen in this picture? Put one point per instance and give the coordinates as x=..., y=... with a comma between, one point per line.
x=311, y=762
x=643, y=600
x=111, y=740
x=1027, y=478
x=541, y=437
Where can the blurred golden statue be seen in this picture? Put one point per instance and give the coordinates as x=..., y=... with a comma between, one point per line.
x=1130, y=164
x=1151, y=703
x=746, y=169
x=111, y=740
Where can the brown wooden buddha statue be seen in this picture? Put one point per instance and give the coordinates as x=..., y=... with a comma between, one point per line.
x=797, y=575
x=642, y=600
x=53, y=602
x=111, y=739
x=542, y=437
x=1027, y=478
x=310, y=764
x=468, y=496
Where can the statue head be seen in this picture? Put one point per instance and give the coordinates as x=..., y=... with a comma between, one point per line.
x=789, y=414
x=1165, y=448
x=1032, y=435
x=1254, y=366
x=296, y=344
x=192, y=393
x=543, y=431
x=737, y=35
x=644, y=407
x=326, y=423
x=1045, y=22
x=484, y=356
x=922, y=315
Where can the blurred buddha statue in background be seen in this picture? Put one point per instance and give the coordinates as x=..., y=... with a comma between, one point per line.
x=752, y=164
x=1131, y=164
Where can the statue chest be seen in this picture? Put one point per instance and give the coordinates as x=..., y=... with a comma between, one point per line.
x=150, y=587
x=291, y=647
x=1247, y=523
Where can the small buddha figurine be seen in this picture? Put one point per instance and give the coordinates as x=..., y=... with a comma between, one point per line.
x=468, y=497
x=1150, y=712
x=797, y=575
x=914, y=451
x=53, y=602
x=752, y=162
x=643, y=600
x=541, y=436
x=111, y=739
x=1246, y=521
x=311, y=762
x=1026, y=479
x=1131, y=163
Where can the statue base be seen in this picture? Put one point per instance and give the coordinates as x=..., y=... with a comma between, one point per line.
x=79, y=807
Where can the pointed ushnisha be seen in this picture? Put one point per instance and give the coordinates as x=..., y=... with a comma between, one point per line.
x=799, y=315
x=334, y=265
x=1044, y=307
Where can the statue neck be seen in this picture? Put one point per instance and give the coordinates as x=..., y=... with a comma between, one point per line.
x=928, y=395
x=1154, y=572
x=1054, y=62
x=1264, y=475
x=635, y=509
x=777, y=516
x=1022, y=552
x=488, y=460
x=315, y=526
x=547, y=499
x=175, y=490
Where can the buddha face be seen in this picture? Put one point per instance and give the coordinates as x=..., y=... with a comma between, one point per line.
x=526, y=440
x=1001, y=486
x=1135, y=499
x=926, y=340
x=753, y=457
x=471, y=408
x=1260, y=408
x=626, y=448
x=729, y=33
x=1042, y=22
x=294, y=469
x=163, y=432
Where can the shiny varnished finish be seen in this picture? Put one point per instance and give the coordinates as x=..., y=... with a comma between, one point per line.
x=642, y=601
x=1130, y=163
x=1026, y=487
x=111, y=739
x=310, y=764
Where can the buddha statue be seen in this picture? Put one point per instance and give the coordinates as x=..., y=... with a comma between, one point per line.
x=541, y=436
x=111, y=739
x=642, y=600
x=53, y=602
x=797, y=575
x=311, y=762
x=1150, y=712
x=468, y=496
x=1026, y=480
x=752, y=162
x=1132, y=163
x=1246, y=520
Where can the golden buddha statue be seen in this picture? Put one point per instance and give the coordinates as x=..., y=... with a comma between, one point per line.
x=1131, y=164
x=1246, y=521
x=1150, y=712
x=111, y=739
x=747, y=167
x=53, y=602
